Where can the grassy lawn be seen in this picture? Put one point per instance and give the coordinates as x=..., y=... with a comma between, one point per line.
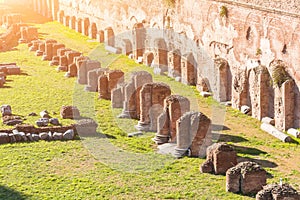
x=115, y=166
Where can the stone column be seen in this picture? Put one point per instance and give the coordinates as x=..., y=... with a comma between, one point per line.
x=284, y=105
x=220, y=89
x=66, y=21
x=100, y=36
x=60, y=16
x=103, y=84
x=85, y=26
x=93, y=78
x=139, y=36
x=48, y=50
x=93, y=31
x=131, y=107
x=194, y=133
x=174, y=63
x=79, y=25
x=109, y=36
x=152, y=96
x=71, y=55
x=188, y=70
x=258, y=91
x=160, y=58
x=72, y=24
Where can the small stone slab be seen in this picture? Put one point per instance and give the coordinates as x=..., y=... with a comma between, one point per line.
x=135, y=134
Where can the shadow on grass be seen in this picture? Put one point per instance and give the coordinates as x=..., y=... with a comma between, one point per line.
x=248, y=150
x=228, y=138
x=261, y=162
x=10, y=194
x=220, y=127
x=6, y=87
x=96, y=135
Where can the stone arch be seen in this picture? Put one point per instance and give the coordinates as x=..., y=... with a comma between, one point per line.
x=148, y=58
x=78, y=26
x=160, y=56
x=212, y=14
x=110, y=36
x=60, y=16
x=277, y=36
x=174, y=63
x=188, y=69
x=93, y=30
x=155, y=25
x=133, y=18
x=100, y=36
x=248, y=40
x=139, y=36
x=221, y=83
x=72, y=23
x=126, y=47
x=85, y=26
x=66, y=21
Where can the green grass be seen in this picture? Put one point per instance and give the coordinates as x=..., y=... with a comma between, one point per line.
x=115, y=166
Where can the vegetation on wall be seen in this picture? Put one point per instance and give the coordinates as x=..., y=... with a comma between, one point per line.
x=279, y=75
x=170, y=3
x=223, y=11
x=258, y=52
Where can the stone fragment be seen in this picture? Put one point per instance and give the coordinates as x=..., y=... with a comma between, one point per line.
x=275, y=132
x=294, y=132
x=11, y=120
x=32, y=114
x=54, y=121
x=45, y=114
x=69, y=112
x=18, y=137
x=4, y=138
x=268, y=120
x=42, y=122
x=205, y=94
x=44, y=136
x=85, y=127
x=278, y=192
x=29, y=137
x=246, y=110
x=23, y=135
x=219, y=158
x=68, y=135
x=35, y=137
x=246, y=177
x=12, y=138
x=6, y=110
x=57, y=136
x=50, y=136
x=135, y=134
